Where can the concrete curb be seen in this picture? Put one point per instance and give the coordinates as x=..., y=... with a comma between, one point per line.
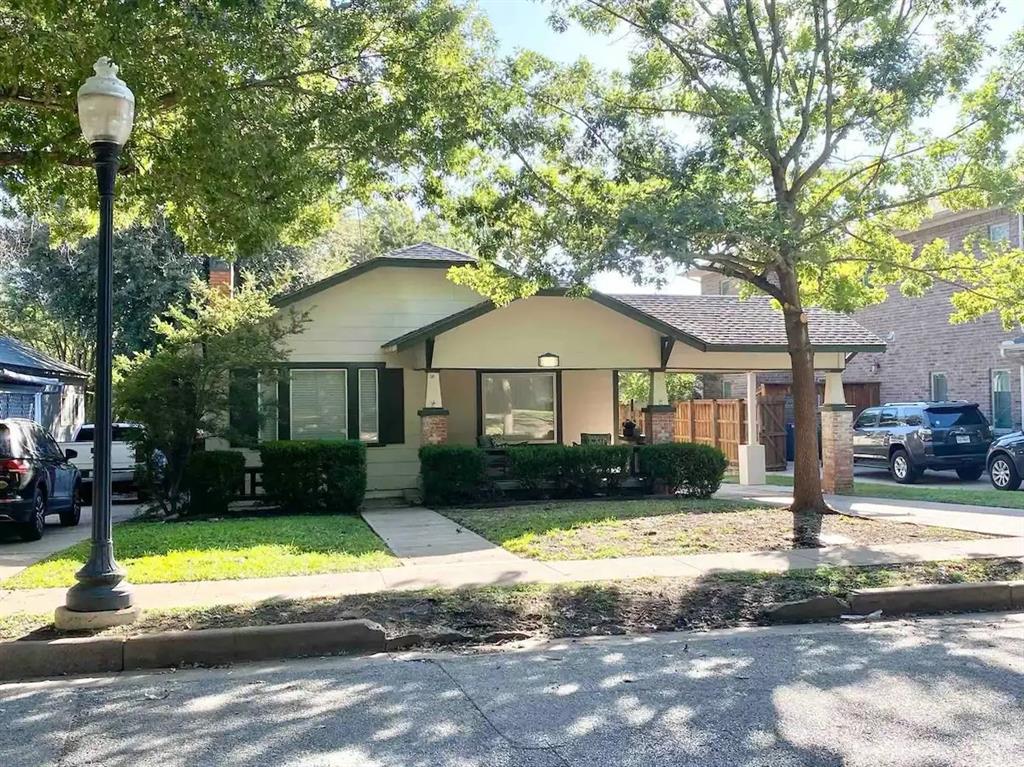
x=904, y=600
x=88, y=655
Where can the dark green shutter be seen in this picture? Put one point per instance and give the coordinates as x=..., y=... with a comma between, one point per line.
x=244, y=408
x=391, y=407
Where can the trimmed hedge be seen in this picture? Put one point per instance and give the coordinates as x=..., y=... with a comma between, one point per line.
x=575, y=471
x=315, y=477
x=452, y=474
x=212, y=479
x=695, y=471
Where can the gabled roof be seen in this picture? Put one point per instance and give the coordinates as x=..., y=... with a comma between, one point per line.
x=22, y=358
x=731, y=321
x=422, y=254
x=707, y=323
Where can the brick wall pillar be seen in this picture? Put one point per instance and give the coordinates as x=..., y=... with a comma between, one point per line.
x=660, y=424
x=221, y=275
x=837, y=449
x=433, y=426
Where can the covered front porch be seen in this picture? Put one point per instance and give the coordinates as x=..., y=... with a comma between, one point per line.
x=545, y=369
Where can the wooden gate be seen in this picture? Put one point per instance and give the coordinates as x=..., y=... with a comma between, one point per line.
x=772, y=431
x=717, y=422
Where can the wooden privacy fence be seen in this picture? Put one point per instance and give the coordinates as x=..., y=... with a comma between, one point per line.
x=721, y=423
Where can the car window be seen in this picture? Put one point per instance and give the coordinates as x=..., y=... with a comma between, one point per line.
x=912, y=416
x=125, y=434
x=889, y=417
x=951, y=417
x=85, y=434
x=46, y=445
x=11, y=441
x=867, y=419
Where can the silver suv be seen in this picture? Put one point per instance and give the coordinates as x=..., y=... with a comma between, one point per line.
x=911, y=437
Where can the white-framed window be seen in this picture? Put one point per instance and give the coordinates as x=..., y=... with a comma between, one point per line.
x=939, y=387
x=726, y=389
x=318, y=403
x=1002, y=401
x=999, y=232
x=369, y=417
x=519, y=407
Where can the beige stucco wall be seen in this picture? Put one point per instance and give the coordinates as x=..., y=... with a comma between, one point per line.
x=587, y=404
x=458, y=391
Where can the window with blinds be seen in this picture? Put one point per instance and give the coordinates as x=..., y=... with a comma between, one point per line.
x=319, y=404
x=369, y=419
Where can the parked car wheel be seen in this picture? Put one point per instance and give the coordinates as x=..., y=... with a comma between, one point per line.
x=1003, y=474
x=901, y=469
x=34, y=528
x=970, y=473
x=73, y=516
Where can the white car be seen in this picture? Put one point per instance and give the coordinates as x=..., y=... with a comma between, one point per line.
x=122, y=454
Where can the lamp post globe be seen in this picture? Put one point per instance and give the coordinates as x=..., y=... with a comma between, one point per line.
x=106, y=111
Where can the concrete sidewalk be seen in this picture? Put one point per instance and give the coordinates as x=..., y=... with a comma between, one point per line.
x=990, y=520
x=16, y=555
x=520, y=571
x=419, y=536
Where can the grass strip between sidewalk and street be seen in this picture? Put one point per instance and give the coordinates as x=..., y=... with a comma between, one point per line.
x=224, y=549
x=717, y=600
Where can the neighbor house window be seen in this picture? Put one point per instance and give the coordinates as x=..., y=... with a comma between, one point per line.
x=1002, y=407
x=728, y=287
x=940, y=387
x=726, y=389
x=999, y=232
x=319, y=404
x=519, y=406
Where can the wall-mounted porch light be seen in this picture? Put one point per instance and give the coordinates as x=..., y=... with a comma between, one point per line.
x=548, y=360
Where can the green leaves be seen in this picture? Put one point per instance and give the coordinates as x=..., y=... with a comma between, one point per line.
x=247, y=114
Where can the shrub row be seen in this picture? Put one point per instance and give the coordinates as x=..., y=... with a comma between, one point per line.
x=212, y=479
x=314, y=477
x=455, y=474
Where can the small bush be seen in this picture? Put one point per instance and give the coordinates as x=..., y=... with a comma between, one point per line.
x=533, y=466
x=694, y=470
x=304, y=477
x=588, y=469
x=212, y=479
x=452, y=474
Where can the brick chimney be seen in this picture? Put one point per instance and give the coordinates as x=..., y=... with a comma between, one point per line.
x=220, y=274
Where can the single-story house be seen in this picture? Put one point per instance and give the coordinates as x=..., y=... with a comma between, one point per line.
x=35, y=385
x=397, y=355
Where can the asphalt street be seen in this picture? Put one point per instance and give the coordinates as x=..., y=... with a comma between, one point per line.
x=922, y=693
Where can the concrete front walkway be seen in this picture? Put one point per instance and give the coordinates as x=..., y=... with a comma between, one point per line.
x=16, y=555
x=451, y=575
x=420, y=536
x=990, y=520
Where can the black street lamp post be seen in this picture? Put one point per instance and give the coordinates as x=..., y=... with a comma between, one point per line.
x=106, y=109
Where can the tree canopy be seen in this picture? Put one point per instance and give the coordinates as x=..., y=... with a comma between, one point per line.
x=254, y=120
x=786, y=143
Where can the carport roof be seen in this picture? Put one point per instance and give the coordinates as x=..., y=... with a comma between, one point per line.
x=707, y=323
x=22, y=358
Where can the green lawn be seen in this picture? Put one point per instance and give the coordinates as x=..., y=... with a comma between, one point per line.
x=1000, y=498
x=654, y=527
x=259, y=547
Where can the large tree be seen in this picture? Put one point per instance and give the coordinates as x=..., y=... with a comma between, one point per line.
x=251, y=115
x=785, y=143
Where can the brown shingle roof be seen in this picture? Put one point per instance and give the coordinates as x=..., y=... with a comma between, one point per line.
x=428, y=251
x=734, y=321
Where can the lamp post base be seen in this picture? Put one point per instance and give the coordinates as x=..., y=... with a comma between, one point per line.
x=73, y=620
x=99, y=593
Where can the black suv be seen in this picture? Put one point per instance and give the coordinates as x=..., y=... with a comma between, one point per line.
x=36, y=479
x=910, y=437
x=1006, y=461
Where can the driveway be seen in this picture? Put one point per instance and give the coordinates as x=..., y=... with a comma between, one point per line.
x=16, y=555
x=940, y=691
x=931, y=479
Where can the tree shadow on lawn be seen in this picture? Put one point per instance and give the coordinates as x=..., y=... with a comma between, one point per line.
x=914, y=695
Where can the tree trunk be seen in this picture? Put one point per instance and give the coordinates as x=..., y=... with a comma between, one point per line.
x=808, y=503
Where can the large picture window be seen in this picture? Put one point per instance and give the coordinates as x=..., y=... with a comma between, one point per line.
x=319, y=404
x=519, y=407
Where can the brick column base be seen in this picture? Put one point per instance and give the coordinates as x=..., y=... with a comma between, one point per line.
x=659, y=424
x=433, y=426
x=837, y=449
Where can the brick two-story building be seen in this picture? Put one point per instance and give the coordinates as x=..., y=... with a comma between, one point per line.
x=926, y=358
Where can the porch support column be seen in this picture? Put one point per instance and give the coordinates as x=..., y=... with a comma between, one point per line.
x=659, y=416
x=752, y=456
x=836, y=437
x=433, y=416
